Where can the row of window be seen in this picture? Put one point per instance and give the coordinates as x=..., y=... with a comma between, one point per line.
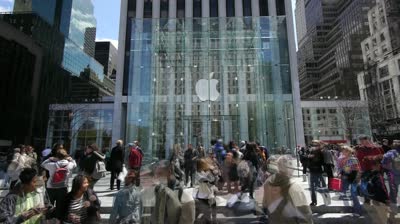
x=197, y=8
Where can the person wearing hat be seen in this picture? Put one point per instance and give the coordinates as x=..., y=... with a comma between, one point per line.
x=135, y=159
x=116, y=163
x=284, y=200
x=349, y=168
x=315, y=165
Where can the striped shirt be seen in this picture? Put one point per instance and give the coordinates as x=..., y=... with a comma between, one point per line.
x=76, y=207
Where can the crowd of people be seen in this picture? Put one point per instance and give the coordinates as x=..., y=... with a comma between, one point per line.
x=191, y=181
x=368, y=170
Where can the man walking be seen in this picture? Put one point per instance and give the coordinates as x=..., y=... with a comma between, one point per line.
x=190, y=161
x=135, y=159
x=116, y=162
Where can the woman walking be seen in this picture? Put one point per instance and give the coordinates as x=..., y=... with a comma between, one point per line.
x=82, y=204
x=59, y=168
x=89, y=162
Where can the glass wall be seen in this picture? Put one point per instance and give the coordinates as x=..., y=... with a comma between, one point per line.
x=79, y=125
x=192, y=80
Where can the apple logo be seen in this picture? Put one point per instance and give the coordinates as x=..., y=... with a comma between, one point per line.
x=207, y=89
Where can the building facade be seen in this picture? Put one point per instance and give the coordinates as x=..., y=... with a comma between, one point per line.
x=106, y=54
x=67, y=73
x=191, y=71
x=330, y=55
x=379, y=83
x=335, y=121
x=79, y=125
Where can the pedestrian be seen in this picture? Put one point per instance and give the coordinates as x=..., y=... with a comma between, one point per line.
x=190, y=165
x=391, y=162
x=349, y=168
x=33, y=158
x=372, y=183
x=303, y=156
x=247, y=169
x=79, y=155
x=60, y=168
x=219, y=151
x=90, y=163
x=370, y=157
x=201, y=152
x=206, y=192
x=116, y=163
x=135, y=159
x=23, y=204
x=82, y=204
x=329, y=163
x=127, y=207
x=385, y=145
x=316, y=162
x=15, y=167
x=284, y=200
x=230, y=173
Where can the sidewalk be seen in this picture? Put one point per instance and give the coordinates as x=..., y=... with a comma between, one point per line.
x=337, y=211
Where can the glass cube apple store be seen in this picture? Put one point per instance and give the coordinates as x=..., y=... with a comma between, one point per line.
x=196, y=79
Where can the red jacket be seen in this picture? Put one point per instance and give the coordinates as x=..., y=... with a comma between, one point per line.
x=135, y=158
x=369, y=157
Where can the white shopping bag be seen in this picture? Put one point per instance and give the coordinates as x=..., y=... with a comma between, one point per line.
x=123, y=174
x=232, y=200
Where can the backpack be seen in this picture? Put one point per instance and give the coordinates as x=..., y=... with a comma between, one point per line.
x=99, y=170
x=172, y=207
x=245, y=169
x=59, y=176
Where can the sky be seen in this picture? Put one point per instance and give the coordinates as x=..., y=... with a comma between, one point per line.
x=106, y=13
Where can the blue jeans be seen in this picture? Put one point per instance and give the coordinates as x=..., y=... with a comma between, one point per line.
x=316, y=180
x=353, y=191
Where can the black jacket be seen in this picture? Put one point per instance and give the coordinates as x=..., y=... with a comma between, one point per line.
x=90, y=160
x=316, y=161
x=117, y=158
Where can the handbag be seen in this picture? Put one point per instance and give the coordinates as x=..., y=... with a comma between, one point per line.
x=335, y=184
x=99, y=170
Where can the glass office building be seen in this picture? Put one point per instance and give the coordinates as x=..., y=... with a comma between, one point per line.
x=188, y=80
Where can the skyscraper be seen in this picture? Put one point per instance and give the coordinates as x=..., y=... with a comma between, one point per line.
x=106, y=54
x=330, y=55
x=379, y=82
x=190, y=71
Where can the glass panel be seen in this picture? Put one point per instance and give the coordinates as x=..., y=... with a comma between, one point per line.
x=193, y=80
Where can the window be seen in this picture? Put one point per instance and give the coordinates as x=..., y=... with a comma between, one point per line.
x=196, y=8
x=374, y=42
x=366, y=47
x=384, y=49
x=230, y=8
x=375, y=53
x=383, y=71
x=246, y=7
x=382, y=37
x=148, y=9
x=164, y=9
x=181, y=9
x=280, y=7
x=213, y=8
x=263, y=7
